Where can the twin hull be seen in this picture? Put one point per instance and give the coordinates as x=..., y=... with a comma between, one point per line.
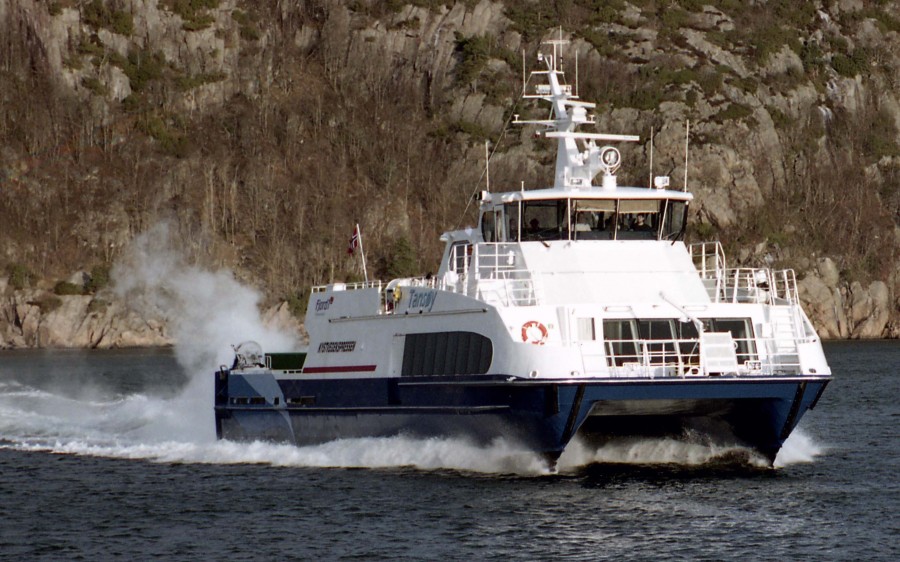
x=542, y=415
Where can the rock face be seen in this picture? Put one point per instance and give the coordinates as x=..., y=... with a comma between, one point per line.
x=35, y=318
x=840, y=310
x=780, y=99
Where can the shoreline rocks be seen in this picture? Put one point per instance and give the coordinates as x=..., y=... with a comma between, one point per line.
x=842, y=310
x=34, y=318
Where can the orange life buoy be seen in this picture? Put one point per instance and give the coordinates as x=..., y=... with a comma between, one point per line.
x=534, y=332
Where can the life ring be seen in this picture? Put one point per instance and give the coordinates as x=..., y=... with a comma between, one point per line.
x=534, y=332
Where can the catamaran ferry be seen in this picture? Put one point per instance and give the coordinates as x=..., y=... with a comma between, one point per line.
x=574, y=311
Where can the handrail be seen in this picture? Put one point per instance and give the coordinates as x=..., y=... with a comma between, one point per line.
x=682, y=357
x=491, y=271
x=353, y=286
x=742, y=284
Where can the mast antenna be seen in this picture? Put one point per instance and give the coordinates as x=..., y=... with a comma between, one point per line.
x=487, y=167
x=650, y=183
x=687, y=132
x=576, y=73
x=523, y=72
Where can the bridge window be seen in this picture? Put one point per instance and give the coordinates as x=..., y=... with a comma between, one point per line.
x=638, y=219
x=545, y=220
x=593, y=219
x=587, y=219
x=674, y=218
x=512, y=221
x=488, y=227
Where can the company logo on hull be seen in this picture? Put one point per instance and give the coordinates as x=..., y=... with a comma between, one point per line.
x=323, y=305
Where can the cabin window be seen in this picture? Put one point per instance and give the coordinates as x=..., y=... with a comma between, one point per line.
x=661, y=348
x=446, y=353
x=740, y=333
x=639, y=219
x=512, y=221
x=689, y=336
x=674, y=218
x=654, y=340
x=593, y=219
x=545, y=220
x=488, y=227
x=590, y=219
x=622, y=345
x=460, y=254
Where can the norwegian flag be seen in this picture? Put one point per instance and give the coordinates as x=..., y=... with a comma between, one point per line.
x=354, y=241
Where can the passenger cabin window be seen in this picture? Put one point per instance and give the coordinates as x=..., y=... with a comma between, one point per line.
x=587, y=219
x=593, y=219
x=740, y=332
x=488, y=227
x=512, y=221
x=460, y=254
x=674, y=220
x=639, y=219
x=545, y=220
x=658, y=341
x=621, y=341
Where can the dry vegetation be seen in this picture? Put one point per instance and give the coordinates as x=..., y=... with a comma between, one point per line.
x=271, y=183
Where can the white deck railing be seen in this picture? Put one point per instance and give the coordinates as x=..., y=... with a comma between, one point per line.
x=348, y=286
x=742, y=284
x=683, y=357
x=492, y=272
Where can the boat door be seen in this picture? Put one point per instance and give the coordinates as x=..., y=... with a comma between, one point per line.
x=590, y=341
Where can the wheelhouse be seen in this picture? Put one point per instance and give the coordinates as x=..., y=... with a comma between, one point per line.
x=551, y=214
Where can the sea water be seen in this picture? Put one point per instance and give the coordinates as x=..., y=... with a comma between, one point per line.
x=112, y=454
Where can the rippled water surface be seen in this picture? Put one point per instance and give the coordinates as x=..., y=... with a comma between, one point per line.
x=112, y=455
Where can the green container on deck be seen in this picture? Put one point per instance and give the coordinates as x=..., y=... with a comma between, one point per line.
x=285, y=361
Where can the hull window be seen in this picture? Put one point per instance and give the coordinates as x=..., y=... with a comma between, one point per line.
x=446, y=353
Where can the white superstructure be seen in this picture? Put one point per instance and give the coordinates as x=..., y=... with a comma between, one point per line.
x=578, y=280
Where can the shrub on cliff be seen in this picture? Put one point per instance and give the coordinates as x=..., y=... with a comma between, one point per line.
x=47, y=303
x=99, y=279
x=19, y=276
x=65, y=288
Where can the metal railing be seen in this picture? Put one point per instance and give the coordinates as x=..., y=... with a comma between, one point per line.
x=708, y=257
x=742, y=284
x=757, y=285
x=682, y=358
x=492, y=272
x=348, y=286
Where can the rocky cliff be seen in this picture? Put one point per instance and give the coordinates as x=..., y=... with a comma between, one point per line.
x=264, y=130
